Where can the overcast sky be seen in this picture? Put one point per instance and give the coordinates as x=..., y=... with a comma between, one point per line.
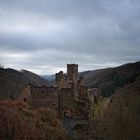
x=44, y=35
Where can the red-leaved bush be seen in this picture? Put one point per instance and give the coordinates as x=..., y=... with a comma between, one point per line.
x=19, y=122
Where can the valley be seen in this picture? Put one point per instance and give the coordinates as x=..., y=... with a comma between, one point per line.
x=99, y=104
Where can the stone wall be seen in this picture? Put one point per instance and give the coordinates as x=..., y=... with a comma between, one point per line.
x=61, y=81
x=93, y=94
x=83, y=93
x=72, y=73
x=66, y=102
x=25, y=94
x=44, y=97
x=68, y=97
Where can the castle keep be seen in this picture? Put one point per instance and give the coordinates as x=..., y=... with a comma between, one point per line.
x=72, y=93
x=72, y=81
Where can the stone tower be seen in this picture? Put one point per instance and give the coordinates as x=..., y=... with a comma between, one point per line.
x=72, y=76
x=72, y=73
x=59, y=80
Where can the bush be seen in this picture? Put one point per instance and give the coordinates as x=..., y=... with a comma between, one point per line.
x=19, y=122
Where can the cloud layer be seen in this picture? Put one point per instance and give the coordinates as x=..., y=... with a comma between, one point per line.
x=45, y=35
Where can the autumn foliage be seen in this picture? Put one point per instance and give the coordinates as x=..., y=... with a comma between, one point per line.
x=18, y=121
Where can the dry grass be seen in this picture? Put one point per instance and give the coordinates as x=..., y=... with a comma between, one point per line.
x=122, y=117
x=19, y=122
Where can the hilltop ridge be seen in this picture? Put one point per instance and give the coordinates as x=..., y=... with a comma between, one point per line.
x=13, y=81
x=109, y=79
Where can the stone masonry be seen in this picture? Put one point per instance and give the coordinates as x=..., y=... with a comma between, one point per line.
x=69, y=96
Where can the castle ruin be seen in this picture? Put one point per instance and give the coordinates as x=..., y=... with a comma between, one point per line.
x=72, y=81
x=69, y=96
x=72, y=93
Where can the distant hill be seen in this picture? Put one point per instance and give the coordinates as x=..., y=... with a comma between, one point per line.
x=34, y=78
x=49, y=77
x=13, y=81
x=110, y=79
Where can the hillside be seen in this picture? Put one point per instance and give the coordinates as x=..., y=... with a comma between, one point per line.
x=110, y=79
x=120, y=119
x=49, y=77
x=34, y=78
x=12, y=82
x=115, y=115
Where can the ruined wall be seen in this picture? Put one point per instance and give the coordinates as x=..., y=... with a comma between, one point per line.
x=44, y=97
x=67, y=104
x=93, y=94
x=72, y=93
x=59, y=77
x=72, y=73
x=69, y=97
x=81, y=82
x=25, y=94
x=83, y=93
x=70, y=80
x=61, y=81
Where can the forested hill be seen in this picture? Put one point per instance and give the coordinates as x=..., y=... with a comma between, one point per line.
x=110, y=79
x=13, y=81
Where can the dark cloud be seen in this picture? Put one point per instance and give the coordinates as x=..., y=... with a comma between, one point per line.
x=44, y=36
